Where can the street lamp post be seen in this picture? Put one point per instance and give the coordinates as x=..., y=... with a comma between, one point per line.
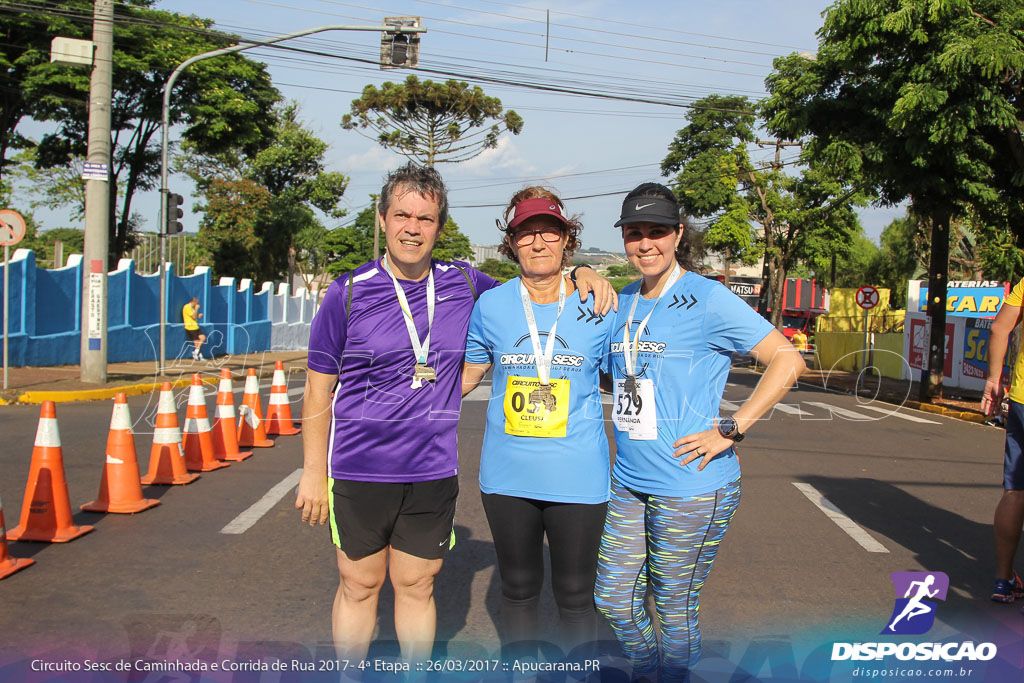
x=392, y=28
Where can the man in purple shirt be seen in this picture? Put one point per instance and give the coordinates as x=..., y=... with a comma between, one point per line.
x=381, y=456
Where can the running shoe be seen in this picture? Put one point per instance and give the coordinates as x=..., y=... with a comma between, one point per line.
x=1008, y=590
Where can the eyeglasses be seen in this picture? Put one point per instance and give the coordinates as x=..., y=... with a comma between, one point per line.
x=527, y=237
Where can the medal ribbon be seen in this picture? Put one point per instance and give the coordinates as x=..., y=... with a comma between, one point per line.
x=420, y=350
x=543, y=359
x=630, y=353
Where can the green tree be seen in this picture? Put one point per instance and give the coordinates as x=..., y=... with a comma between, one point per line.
x=431, y=122
x=854, y=262
x=901, y=257
x=28, y=27
x=922, y=99
x=711, y=163
x=451, y=244
x=222, y=104
x=623, y=271
x=284, y=181
x=499, y=269
x=716, y=178
x=732, y=235
x=351, y=246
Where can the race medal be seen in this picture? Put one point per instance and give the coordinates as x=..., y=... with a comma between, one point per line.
x=541, y=397
x=629, y=386
x=534, y=409
x=420, y=349
x=421, y=372
x=634, y=412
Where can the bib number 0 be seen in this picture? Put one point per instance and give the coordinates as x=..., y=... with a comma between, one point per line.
x=532, y=411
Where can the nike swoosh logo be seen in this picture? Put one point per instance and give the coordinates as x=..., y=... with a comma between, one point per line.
x=638, y=207
x=444, y=298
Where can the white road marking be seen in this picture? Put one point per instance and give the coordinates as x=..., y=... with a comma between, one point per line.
x=791, y=410
x=729, y=405
x=242, y=522
x=842, y=521
x=842, y=411
x=891, y=410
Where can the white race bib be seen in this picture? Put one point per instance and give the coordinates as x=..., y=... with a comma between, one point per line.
x=636, y=415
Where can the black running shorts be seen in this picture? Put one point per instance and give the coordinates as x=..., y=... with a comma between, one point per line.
x=417, y=518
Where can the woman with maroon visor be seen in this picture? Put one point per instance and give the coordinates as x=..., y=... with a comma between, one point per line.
x=544, y=465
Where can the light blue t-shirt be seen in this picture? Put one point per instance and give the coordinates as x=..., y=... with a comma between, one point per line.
x=573, y=468
x=686, y=349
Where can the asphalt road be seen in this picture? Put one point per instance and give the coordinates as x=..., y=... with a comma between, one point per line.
x=904, y=492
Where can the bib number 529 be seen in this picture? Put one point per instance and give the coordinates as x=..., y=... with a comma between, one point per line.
x=628, y=405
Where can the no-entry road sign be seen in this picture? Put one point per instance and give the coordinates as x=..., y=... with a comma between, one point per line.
x=867, y=297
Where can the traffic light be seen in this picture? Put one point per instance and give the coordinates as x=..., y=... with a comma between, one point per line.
x=173, y=213
x=400, y=50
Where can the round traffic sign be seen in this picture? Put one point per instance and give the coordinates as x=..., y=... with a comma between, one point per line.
x=867, y=297
x=12, y=228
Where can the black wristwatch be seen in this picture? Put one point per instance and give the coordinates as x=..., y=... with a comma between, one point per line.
x=572, y=273
x=728, y=428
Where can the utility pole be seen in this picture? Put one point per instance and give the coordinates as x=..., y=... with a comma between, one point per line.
x=767, y=286
x=376, y=228
x=97, y=200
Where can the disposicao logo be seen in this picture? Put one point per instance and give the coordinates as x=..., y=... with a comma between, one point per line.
x=914, y=611
x=913, y=614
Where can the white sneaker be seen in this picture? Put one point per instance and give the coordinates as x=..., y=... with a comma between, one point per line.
x=195, y=355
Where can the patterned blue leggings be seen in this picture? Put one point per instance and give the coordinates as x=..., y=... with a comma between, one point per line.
x=670, y=542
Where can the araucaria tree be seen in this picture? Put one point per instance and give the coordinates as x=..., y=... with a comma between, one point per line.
x=431, y=122
x=923, y=99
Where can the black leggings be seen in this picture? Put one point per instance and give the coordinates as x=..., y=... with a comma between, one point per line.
x=518, y=527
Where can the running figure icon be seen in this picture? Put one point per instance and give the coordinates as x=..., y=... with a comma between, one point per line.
x=915, y=607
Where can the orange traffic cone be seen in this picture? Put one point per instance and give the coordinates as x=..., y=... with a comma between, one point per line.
x=279, y=413
x=225, y=427
x=198, y=439
x=250, y=425
x=166, y=460
x=46, y=512
x=120, y=489
x=8, y=564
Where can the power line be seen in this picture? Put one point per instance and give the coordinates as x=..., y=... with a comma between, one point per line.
x=644, y=26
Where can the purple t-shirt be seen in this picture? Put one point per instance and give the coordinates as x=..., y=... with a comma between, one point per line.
x=382, y=429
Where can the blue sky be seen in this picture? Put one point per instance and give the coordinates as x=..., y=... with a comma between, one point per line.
x=669, y=52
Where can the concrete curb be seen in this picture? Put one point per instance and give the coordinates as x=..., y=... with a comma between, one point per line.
x=965, y=415
x=103, y=394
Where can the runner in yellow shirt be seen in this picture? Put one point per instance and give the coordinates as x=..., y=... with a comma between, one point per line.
x=191, y=315
x=1009, y=514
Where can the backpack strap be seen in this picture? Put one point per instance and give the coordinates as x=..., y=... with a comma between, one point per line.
x=469, y=280
x=348, y=304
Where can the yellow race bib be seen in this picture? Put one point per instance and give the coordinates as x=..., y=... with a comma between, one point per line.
x=529, y=411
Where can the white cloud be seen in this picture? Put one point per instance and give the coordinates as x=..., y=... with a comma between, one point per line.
x=375, y=158
x=505, y=158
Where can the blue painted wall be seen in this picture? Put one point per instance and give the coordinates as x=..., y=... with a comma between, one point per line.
x=45, y=314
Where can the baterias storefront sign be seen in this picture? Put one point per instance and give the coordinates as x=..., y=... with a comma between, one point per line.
x=969, y=298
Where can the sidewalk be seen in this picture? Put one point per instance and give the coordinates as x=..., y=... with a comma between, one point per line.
x=63, y=383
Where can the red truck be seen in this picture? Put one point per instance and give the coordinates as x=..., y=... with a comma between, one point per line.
x=803, y=300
